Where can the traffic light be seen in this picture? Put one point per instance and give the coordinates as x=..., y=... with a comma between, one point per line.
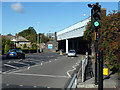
x=96, y=16
x=97, y=35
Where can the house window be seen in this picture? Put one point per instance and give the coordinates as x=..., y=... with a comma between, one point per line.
x=28, y=42
x=21, y=42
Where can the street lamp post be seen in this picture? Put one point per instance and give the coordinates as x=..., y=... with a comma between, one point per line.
x=40, y=43
x=37, y=42
x=37, y=36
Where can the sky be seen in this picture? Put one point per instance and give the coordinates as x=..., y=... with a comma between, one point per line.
x=46, y=17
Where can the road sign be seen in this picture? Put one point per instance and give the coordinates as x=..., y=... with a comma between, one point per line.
x=50, y=46
x=105, y=71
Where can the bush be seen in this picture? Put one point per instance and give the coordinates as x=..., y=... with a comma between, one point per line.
x=34, y=46
x=18, y=47
x=110, y=38
x=24, y=46
x=7, y=47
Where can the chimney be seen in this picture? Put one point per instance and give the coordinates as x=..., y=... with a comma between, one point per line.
x=55, y=36
x=103, y=12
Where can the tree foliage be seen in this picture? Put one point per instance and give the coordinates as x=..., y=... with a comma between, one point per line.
x=110, y=37
x=7, y=46
x=9, y=34
x=29, y=34
x=43, y=38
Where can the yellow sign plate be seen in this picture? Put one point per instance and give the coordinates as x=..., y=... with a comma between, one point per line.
x=105, y=71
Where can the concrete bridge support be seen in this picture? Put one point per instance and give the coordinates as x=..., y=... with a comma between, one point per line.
x=66, y=46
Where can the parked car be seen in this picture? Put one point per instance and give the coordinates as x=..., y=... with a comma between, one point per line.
x=72, y=53
x=15, y=53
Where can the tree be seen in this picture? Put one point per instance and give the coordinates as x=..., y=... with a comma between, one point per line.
x=7, y=46
x=43, y=38
x=8, y=41
x=29, y=34
x=51, y=39
x=110, y=38
x=3, y=44
x=9, y=34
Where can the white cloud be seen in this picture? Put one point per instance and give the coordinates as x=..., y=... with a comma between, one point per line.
x=17, y=7
x=84, y=14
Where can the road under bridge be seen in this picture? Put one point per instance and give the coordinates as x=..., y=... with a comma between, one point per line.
x=72, y=38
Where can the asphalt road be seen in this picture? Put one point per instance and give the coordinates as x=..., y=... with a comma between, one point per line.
x=31, y=59
x=49, y=70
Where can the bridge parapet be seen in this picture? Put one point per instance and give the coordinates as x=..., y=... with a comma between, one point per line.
x=76, y=30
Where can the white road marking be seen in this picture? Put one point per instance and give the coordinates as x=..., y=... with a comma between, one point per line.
x=34, y=86
x=28, y=67
x=39, y=75
x=55, y=59
x=10, y=66
x=23, y=69
x=41, y=64
x=68, y=74
x=72, y=70
x=7, y=84
x=21, y=85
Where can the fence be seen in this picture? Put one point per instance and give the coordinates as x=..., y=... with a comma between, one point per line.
x=73, y=83
x=84, y=64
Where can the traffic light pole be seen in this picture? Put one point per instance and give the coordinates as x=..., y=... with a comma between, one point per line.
x=96, y=58
x=100, y=85
x=96, y=24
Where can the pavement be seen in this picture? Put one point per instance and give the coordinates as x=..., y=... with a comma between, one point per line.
x=112, y=82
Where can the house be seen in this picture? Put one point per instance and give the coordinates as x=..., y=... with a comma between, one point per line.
x=19, y=41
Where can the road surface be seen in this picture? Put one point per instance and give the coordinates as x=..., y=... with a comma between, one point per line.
x=50, y=72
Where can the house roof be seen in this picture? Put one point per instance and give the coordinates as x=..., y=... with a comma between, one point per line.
x=13, y=38
x=20, y=38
